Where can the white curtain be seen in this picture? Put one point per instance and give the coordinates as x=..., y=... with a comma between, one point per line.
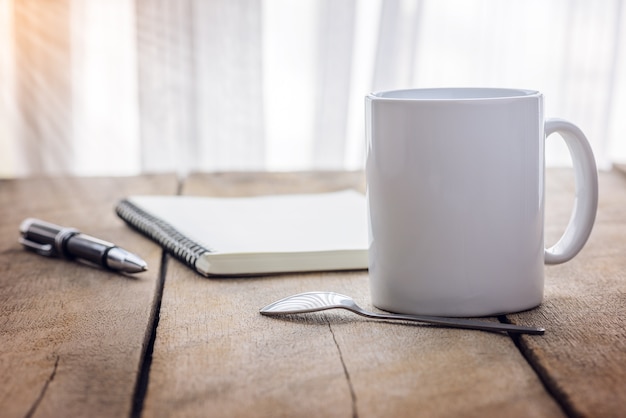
x=115, y=87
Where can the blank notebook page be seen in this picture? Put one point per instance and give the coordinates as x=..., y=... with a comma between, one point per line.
x=277, y=223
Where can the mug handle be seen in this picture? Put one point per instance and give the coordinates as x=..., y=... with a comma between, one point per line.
x=586, y=201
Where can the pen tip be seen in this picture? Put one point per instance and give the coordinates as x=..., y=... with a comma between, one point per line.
x=135, y=265
x=122, y=260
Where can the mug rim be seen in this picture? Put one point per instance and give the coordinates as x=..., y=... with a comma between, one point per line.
x=441, y=94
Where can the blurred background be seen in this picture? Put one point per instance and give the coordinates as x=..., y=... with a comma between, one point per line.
x=120, y=87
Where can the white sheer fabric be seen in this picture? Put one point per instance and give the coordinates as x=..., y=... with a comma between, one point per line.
x=97, y=87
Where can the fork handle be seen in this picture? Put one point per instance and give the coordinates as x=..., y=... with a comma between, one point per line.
x=456, y=322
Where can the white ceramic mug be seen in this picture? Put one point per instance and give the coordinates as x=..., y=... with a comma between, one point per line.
x=455, y=191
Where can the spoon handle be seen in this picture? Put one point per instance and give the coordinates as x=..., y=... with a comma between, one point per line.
x=456, y=322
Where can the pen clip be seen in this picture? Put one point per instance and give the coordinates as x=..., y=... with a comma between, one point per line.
x=43, y=249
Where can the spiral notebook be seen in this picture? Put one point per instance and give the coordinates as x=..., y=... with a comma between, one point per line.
x=255, y=235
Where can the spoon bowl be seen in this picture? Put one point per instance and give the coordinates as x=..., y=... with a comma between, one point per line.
x=321, y=301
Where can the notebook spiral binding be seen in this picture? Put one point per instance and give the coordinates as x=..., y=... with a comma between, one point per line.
x=186, y=250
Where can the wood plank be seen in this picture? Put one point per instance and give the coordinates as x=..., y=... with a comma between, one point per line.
x=71, y=335
x=215, y=355
x=582, y=356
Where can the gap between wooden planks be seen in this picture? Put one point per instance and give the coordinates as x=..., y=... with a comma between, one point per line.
x=72, y=336
x=214, y=355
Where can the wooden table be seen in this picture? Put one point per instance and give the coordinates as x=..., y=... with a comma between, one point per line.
x=80, y=341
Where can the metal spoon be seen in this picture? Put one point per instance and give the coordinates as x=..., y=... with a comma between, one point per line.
x=320, y=301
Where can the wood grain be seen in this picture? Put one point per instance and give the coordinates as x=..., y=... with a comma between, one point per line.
x=582, y=356
x=71, y=335
x=215, y=355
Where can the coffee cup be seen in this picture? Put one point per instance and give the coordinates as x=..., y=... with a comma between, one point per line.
x=455, y=196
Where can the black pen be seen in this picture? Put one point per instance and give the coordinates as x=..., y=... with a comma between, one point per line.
x=54, y=240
